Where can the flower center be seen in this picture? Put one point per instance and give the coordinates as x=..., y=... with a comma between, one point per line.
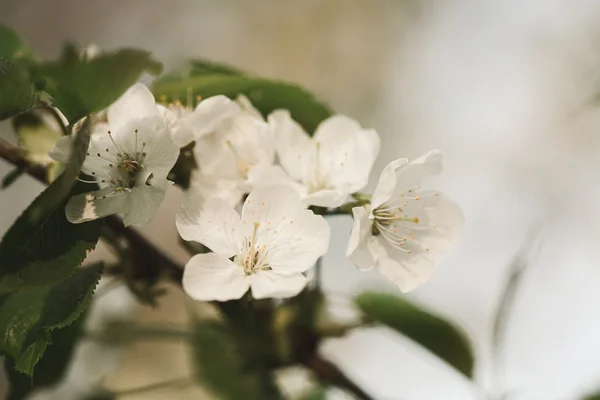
x=392, y=221
x=253, y=256
x=126, y=169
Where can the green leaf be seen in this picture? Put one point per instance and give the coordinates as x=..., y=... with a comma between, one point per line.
x=53, y=365
x=36, y=135
x=61, y=187
x=199, y=67
x=17, y=93
x=265, y=94
x=318, y=393
x=224, y=368
x=432, y=332
x=38, y=254
x=12, y=176
x=595, y=396
x=83, y=86
x=27, y=317
x=11, y=45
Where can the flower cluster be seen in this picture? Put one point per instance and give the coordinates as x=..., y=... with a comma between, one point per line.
x=285, y=181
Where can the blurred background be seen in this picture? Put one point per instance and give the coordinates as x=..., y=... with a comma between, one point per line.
x=505, y=88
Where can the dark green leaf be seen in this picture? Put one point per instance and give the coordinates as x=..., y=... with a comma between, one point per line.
x=434, y=333
x=51, y=368
x=27, y=317
x=595, y=396
x=319, y=393
x=83, y=86
x=61, y=187
x=223, y=367
x=36, y=136
x=12, y=176
x=17, y=93
x=11, y=45
x=206, y=67
x=45, y=252
x=266, y=95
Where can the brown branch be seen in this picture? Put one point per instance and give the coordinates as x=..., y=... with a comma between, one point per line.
x=14, y=155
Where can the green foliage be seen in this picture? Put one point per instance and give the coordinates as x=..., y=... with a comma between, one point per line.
x=28, y=316
x=35, y=134
x=319, y=393
x=11, y=45
x=225, y=367
x=207, y=79
x=53, y=365
x=83, y=86
x=37, y=254
x=432, y=332
x=595, y=396
x=18, y=93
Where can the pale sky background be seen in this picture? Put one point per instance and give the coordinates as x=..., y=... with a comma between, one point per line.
x=501, y=86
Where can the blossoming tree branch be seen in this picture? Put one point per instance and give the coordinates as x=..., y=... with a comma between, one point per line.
x=262, y=164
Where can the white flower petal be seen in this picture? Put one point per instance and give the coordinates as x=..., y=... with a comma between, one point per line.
x=211, y=222
x=210, y=113
x=266, y=174
x=270, y=203
x=62, y=149
x=293, y=237
x=347, y=153
x=292, y=142
x=246, y=106
x=440, y=222
x=216, y=186
x=181, y=131
x=358, y=250
x=400, y=174
x=269, y=284
x=326, y=198
x=90, y=206
x=212, y=276
x=407, y=271
x=143, y=203
x=387, y=183
x=299, y=244
x=136, y=102
x=152, y=136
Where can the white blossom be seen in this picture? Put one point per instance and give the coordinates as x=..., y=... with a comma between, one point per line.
x=403, y=230
x=272, y=243
x=129, y=158
x=327, y=167
x=189, y=124
x=234, y=146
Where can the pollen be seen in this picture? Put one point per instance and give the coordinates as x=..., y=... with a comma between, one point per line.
x=416, y=220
